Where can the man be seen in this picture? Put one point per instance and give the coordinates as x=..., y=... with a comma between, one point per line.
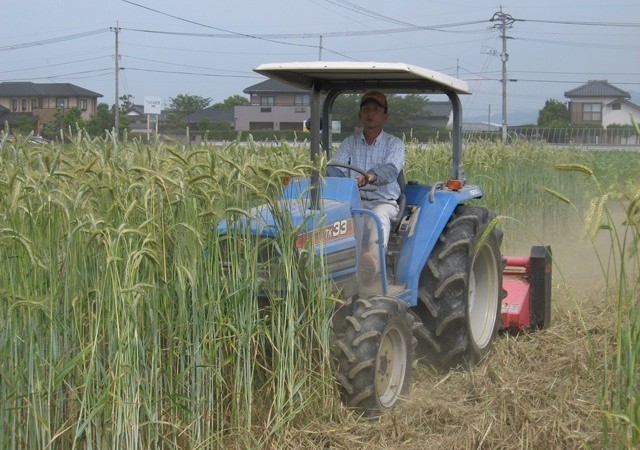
x=381, y=155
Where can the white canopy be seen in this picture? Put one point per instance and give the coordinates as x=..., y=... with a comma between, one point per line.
x=363, y=75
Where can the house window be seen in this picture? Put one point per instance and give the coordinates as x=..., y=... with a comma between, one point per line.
x=267, y=101
x=14, y=104
x=301, y=100
x=261, y=126
x=616, y=106
x=83, y=104
x=23, y=104
x=592, y=112
x=62, y=102
x=34, y=103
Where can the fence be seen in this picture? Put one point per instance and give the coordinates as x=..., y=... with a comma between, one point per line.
x=576, y=136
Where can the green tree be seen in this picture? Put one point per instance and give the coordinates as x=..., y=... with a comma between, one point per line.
x=123, y=119
x=181, y=106
x=554, y=114
x=406, y=112
x=205, y=124
x=345, y=109
x=64, y=119
x=23, y=124
x=126, y=101
x=234, y=100
x=102, y=122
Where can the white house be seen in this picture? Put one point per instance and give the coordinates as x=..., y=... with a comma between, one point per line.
x=599, y=103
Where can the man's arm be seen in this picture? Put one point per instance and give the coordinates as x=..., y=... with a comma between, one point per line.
x=342, y=156
x=391, y=165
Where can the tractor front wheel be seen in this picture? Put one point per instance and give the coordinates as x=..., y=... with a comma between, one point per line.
x=460, y=291
x=374, y=354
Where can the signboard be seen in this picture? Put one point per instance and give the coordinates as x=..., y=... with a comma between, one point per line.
x=152, y=105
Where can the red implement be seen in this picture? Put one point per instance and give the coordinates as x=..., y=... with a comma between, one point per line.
x=527, y=282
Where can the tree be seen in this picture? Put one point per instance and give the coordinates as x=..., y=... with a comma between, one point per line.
x=181, y=106
x=23, y=124
x=126, y=101
x=234, y=100
x=345, y=109
x=554, y=115
x=205, y=124
x=406, y=113
x=103, y=121
x=64, y=120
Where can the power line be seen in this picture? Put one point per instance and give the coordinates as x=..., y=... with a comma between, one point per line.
x=591, y=24
x=183, y=65
x=53, y=40
x=49, y=77
x=54, y=65
x=351, y=33
x=190, y=73
x=581, y=44
x=193, y=22
x=547, y=81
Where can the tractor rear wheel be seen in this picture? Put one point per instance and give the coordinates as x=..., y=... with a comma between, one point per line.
x=374, y=354
x=460, y=291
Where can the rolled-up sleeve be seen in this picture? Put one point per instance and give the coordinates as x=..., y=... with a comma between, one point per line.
x=387, y=170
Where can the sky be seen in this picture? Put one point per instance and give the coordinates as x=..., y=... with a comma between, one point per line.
x=169, y=47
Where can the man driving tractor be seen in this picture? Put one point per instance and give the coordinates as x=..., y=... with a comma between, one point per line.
x=381, y=155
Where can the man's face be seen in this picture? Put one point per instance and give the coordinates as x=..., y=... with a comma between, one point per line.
x=372, y=115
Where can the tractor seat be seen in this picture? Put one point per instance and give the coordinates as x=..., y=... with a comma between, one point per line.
x=402, y=202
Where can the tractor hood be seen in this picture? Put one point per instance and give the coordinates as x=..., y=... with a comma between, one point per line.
x=339, y=196
x=266, y=220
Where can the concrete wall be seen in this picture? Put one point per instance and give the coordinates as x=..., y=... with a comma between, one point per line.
x=271, y=117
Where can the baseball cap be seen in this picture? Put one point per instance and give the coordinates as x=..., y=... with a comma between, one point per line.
x=374, y=96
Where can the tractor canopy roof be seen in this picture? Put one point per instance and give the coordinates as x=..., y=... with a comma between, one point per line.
x=360, y=76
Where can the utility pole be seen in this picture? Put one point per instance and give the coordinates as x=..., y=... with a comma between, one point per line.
x=504, y=21
x=117, y=72
x=320, y=49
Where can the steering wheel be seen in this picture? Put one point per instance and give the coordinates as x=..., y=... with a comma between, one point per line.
x=360, y=170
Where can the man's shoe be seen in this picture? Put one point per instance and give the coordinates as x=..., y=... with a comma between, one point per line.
x=368, y=268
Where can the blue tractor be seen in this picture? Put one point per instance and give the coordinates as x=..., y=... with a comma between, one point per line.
x=439, y=292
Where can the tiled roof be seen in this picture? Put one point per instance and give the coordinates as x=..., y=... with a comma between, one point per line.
x=439, y=109
x=29, y=89
x=597, y=88
x=272, y=86
x=214, y=114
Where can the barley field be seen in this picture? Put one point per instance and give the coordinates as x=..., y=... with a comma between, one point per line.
x=119, y=327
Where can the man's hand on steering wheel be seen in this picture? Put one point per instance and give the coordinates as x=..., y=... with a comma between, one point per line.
x=363, y=178
x=363, y=181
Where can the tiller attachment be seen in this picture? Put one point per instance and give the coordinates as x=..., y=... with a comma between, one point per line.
x=527, y=282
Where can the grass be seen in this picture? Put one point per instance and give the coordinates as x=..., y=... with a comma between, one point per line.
x=117, y=331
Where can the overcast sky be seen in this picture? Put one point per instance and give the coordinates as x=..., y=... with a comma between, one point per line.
x=209, y=48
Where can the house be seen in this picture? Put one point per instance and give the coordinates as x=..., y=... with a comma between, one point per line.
x=279, y=106
x=439, y=114
x=599, y=103
x=274, y=106
x=42, y=100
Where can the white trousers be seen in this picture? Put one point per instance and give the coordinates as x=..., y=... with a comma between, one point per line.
x=385, y=211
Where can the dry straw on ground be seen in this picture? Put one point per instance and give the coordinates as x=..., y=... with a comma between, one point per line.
x=534, y=391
